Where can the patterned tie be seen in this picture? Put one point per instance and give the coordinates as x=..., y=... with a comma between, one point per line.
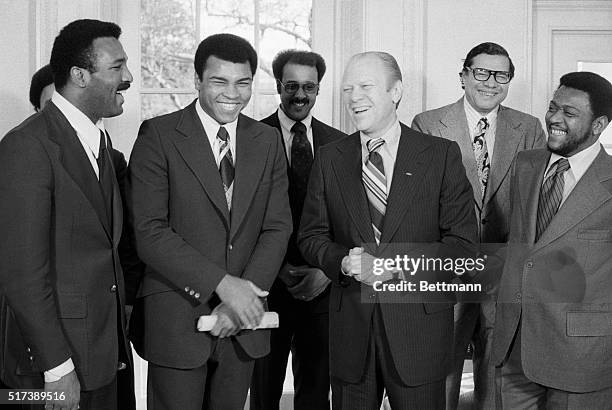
x=226, y=165
x=301, y=159
x=551, y=194
x=375, y=182
x=105, y=177
x=481, y=154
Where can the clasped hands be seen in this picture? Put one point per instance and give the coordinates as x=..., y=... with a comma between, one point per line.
x=240, y=306
x=359, y=265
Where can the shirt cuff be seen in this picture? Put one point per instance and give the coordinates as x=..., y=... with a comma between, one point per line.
x=58, y=372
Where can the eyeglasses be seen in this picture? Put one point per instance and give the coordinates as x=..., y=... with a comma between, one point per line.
x=482, y=74
x=292, y=87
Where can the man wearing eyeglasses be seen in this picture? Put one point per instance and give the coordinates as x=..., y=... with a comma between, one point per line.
x=489, y=135
x=300, y=294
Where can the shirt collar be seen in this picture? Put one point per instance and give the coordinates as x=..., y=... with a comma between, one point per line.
x=287, y=123
x=211, y=126
x=391, y=137
x=473, y=116
x=86, y=130
x=579, y=162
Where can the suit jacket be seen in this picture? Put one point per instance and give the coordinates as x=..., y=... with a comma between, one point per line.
x=59, y=261
x=516, y=131
x=189, y=239
x=321, y=134
x=559, y=289
x=430, y=201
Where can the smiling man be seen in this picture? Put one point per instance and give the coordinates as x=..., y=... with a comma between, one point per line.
x=489, y=136
x=372, y=192
x=300, y=294
x=553, y=329
x=61, y=215
x=208, y=191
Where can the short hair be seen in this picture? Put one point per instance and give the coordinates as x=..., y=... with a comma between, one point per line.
x=492, y=49
x=597, y=88
x=73, y=47
x=389, y=63
x=227, y=47
x=42, y=78
x=300, y=57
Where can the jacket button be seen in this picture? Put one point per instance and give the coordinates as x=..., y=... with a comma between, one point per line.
x=191, y=292
x=31, y=358
x=28, y=349
x=113, y=288
x=484, y=221
x=530, y=264
x=197, y=295
x=518, y=295
x=187, y=289
x=231, y=246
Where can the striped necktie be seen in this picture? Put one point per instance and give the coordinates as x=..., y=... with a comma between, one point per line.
x=226, y=165
x=482, y=156
x=551, y=194
x=375, y=182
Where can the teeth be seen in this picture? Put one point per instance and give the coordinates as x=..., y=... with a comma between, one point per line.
x=228, y=106
x=487, y=94
x=299, y=104
x=557, y=132
x=359, y=110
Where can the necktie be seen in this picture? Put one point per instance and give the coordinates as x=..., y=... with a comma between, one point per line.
x=226, y=165
x=551, y=194
x=301, y=163
x=375, y=182
x=105, y=177
x=481, y=154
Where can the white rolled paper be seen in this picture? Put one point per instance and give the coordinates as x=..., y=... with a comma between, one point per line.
x=268, y=321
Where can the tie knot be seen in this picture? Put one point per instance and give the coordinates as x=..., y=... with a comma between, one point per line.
x=222, y=134
x=298, y=128
x=562, y=165
x=374, y=143
x=483, y=124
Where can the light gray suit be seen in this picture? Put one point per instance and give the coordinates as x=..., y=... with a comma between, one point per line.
x=558, y=291
x=515, y=131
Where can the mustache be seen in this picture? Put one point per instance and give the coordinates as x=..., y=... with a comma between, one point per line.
x=123, y=86
x=297, y=100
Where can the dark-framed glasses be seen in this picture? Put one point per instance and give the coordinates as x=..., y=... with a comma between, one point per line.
x=292, y=87
x=482, y=74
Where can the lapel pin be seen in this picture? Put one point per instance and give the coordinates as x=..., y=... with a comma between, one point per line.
x=409, y=174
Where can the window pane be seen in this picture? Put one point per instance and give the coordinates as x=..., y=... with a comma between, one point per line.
x=167, y=43
x=153, y=105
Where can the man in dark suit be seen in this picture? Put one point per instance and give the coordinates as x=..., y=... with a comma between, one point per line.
x=208, y=190
x=63, y=323
x=300, y=294
x=477, y=119
x=373, y=194
x=553, y=328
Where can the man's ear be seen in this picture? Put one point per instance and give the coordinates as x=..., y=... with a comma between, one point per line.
x=196, y=81
x=397, y=90
x=278, y=86
x=599, y=124
x=79, y=76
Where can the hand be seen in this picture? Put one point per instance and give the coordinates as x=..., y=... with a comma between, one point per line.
x=359, y=265
x=312, y=283
x=242, y=297
x=227, y=323
x=70, y=388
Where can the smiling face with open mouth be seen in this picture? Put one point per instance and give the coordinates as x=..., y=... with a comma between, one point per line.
x=224, y=89
x=569, y=121
x=108, y=81
x=485, y=96
x=369, y=95
x=298, y=105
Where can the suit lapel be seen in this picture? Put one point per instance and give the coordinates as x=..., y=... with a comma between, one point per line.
x=410, y=167
x=252, y=155
x=347, y=168
x=116, y=204
x=76, y=162
x=590, y=193
x=529, y=189
x=194, y=147
x=455, y=128
x=507, y=138
x=320, y=136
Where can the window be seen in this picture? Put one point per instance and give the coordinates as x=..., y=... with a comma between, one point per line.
x=170, y=31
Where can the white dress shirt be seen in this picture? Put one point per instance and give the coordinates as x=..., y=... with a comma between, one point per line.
x=211, y=127
x=579, y=163
x=473, y=117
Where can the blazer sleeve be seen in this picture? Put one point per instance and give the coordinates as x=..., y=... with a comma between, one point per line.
x=315, y=234
x=156, y=242
x=277, y=226
x=26, y=200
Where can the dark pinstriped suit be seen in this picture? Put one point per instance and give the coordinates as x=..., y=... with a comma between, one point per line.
x=430, y=200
